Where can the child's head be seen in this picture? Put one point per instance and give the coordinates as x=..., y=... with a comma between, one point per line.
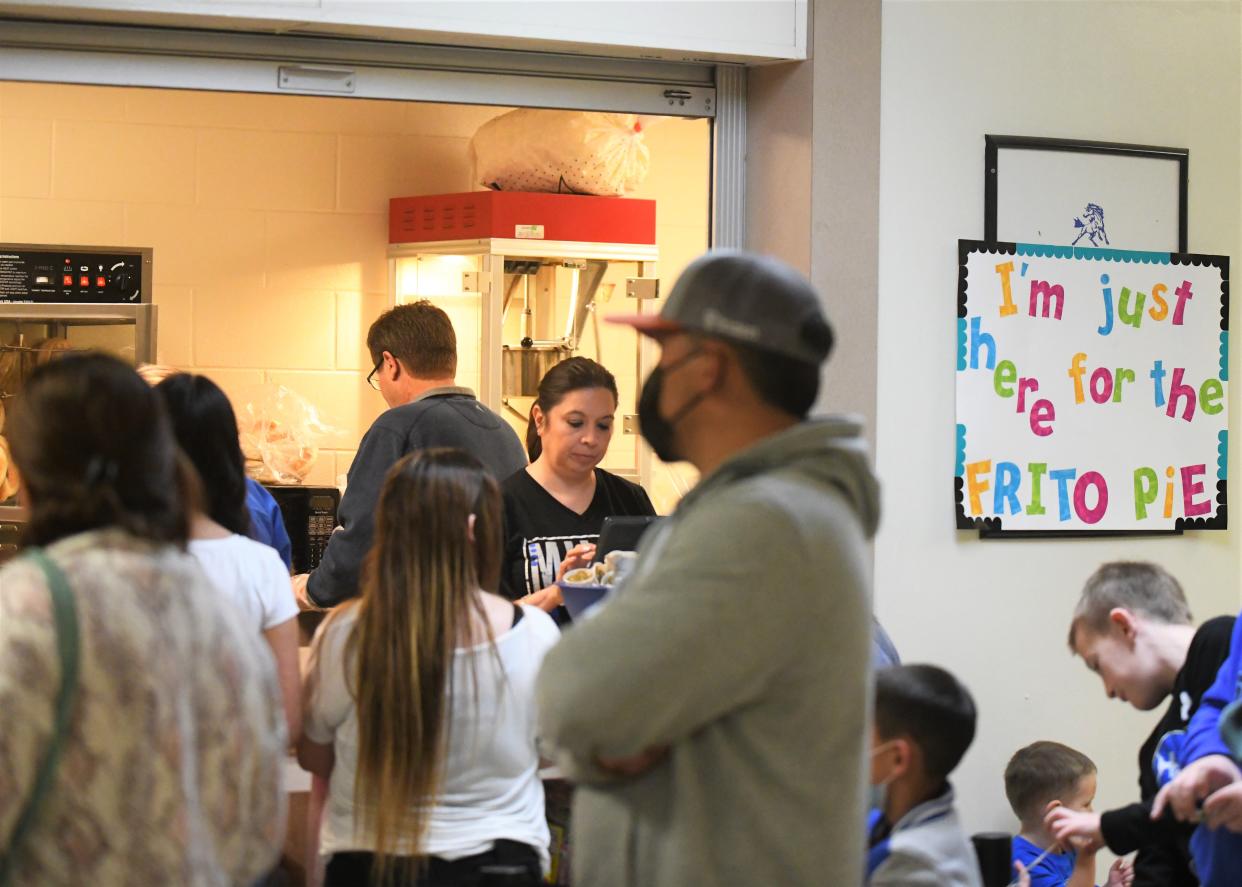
x=926, y=717
x=1045, y=775
x=1124, y=606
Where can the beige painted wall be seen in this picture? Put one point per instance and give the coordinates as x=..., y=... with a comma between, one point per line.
x=268, y=217
x=778, y=162
x=996, y=612
x=812, y=184
x=845, y=189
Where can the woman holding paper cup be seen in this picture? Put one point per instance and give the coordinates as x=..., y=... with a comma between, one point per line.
x=555, y=506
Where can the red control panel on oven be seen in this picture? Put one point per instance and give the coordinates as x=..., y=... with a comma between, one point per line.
x=45, y=273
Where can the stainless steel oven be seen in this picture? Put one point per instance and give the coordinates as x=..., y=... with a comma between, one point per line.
x=59, y=298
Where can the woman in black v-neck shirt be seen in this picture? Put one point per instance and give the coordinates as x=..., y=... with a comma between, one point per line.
x=555, y=506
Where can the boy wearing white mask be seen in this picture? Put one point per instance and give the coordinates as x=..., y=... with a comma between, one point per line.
x=924, y=722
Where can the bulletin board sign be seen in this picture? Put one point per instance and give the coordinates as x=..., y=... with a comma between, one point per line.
x=1092, y=390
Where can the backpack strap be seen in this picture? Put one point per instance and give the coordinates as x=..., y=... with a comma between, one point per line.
x=64, y=610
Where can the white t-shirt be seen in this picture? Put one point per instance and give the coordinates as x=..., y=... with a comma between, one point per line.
x=251, y=575
x=491, y=780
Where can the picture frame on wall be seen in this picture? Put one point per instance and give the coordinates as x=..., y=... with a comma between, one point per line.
x=1100, y=195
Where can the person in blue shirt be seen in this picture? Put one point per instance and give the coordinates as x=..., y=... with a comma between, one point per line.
x=883, y=650
x=1038, y=779
x=267, y=524
x=1210, y=782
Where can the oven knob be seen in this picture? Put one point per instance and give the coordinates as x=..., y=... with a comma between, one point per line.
x=123, y=280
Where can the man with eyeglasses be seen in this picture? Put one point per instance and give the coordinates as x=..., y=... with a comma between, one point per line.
x=415, y=353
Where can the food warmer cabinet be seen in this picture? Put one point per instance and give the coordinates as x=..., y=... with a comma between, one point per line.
x=58, y=298
x=524, y=277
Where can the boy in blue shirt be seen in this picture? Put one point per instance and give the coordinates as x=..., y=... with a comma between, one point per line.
x=1211, y=777
x=924, y=722
x=1039, y=778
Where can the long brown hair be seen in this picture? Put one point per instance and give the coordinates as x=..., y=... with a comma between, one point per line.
x=418, y=604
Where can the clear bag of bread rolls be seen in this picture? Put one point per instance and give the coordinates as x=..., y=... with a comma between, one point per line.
x=280, y=433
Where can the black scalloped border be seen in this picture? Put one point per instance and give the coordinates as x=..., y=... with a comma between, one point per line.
x=1217, y=522
x=987, y=526
x=992, y=527
x=964, y=249
x=1221, y=263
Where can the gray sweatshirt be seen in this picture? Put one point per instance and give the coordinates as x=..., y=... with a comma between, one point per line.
x=926, y=848
x=742, y=643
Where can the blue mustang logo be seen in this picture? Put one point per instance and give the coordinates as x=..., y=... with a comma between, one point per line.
x=1092, y=224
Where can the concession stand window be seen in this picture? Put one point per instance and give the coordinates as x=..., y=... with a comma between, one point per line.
x=231, y=313
x=271, y=277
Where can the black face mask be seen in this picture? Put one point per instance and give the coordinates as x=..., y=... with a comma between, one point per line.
x=655, y=429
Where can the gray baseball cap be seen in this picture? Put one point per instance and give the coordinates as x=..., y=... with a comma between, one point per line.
x=745, y=298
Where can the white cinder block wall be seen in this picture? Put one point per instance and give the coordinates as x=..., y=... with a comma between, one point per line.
x=269, y=218
x=997, y=613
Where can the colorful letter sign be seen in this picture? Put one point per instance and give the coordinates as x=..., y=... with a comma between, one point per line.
x=1091, y=389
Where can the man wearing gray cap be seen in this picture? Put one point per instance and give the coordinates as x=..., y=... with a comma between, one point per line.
x=713, y=710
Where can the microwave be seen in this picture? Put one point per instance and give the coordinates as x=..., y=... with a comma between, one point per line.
x=310, y=517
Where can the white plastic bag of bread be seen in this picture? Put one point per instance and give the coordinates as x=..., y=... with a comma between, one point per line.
x=581, y=152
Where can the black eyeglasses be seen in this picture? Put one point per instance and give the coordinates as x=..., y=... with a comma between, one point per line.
x=371, y=380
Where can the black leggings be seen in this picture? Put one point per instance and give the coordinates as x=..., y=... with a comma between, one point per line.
x=507, y=864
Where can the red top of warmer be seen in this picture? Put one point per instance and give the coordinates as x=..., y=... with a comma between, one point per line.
x=522, y=215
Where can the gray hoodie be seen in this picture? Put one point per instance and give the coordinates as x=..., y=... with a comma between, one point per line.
x=741, y=643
